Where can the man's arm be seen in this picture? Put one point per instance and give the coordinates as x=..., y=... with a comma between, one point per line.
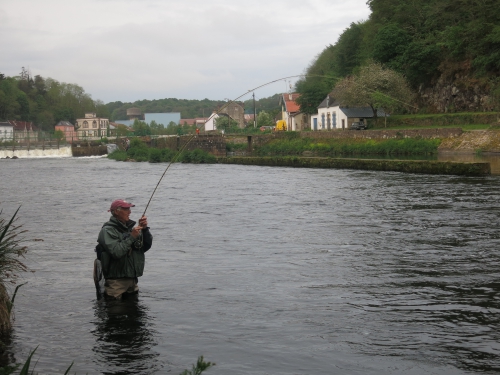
x=116, y=246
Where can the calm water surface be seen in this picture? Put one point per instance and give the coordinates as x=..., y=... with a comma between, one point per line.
x=262, y=270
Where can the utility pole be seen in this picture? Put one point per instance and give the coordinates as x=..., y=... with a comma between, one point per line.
x=254, y=112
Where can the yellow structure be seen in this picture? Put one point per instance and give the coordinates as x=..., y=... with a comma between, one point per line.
x=281, y=125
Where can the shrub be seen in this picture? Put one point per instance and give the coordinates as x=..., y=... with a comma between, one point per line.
x=196, y=156
x=118, y=155
x=154, y=155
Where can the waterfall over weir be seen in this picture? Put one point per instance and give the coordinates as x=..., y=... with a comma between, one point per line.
x=61, y=152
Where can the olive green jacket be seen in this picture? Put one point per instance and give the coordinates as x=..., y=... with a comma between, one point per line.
x=123, y=255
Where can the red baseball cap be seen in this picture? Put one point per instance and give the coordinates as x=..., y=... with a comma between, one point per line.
x=120, y=203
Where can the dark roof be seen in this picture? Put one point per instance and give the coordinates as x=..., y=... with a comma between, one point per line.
x=362, y=112
x=23, y=125
x=332, y=102
x=64, y=123
x=5, y=123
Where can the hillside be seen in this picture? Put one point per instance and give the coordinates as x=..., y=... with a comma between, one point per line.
x=187, y=108
x=449, y=52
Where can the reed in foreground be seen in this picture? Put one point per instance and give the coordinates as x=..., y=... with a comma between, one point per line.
x=12, y=254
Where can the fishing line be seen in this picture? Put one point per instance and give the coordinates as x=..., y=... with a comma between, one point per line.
x=192, y=136
x=227, y=104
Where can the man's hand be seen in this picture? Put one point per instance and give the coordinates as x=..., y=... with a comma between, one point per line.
x=143, y=222
x=136, y=231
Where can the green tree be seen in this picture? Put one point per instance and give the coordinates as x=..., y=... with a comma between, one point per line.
x=226, y=123
x=264, y=119
x=141, y=128
x=375, y=86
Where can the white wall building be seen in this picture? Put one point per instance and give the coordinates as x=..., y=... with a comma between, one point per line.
x=6, y=131
x=210, y=123
x=332, y=116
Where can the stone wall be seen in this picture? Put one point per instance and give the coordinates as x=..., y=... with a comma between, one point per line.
x=83, y=150
x=385, y=134
x=214, y=144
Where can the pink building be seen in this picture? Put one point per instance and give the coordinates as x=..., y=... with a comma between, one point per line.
x=68, y=130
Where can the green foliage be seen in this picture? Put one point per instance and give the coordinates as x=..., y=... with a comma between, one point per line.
x=226, y=123
x=269, y=104
x=196, y=157
x=235, y=146
x=118, y=155
x=333, y=147
x=44, y=101
x=201, y=366
x=421, y=39
x=138, y=151
x=11, y=264
x=376, y=87
x=141, y=128
x=59, y=135
x=264, y=119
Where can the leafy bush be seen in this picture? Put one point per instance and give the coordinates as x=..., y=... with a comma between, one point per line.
x=154, y=155
x=118, y=155
x=167, y=155
x=196, y=156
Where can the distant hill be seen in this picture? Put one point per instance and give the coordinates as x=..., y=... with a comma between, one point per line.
x=188, y=108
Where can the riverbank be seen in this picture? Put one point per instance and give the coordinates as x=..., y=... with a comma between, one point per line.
x=406, y=166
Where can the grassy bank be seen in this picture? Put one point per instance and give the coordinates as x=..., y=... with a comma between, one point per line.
x=465, y=120
x=140, y=152
x=349, y=147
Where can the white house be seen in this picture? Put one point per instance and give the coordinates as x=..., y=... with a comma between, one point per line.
x=6, y=131
x=331, y=115
x=210, y=123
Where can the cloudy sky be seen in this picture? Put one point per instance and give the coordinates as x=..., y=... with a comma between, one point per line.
x=129, y=50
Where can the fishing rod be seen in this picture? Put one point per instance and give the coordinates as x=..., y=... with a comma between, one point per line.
x=192, y=136
x=232, y=101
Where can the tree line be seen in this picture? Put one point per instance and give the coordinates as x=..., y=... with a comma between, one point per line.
x=188, y=108
x=44, y=101
x=423, y=40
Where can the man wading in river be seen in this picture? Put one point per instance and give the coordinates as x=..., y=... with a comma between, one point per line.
x=123, y=246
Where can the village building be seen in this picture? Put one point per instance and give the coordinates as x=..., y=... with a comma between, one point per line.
x=68, y=129
x=92, y=126
x=210, y=123
x=332, y=115
x=291, y=114
x=24, y=131
x=6, y=131
x=235, y=110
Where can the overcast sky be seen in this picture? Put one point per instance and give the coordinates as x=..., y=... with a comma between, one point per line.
x=130, y=50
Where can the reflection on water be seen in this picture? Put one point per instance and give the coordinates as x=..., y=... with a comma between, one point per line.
x=262, y=270
x=124, y=334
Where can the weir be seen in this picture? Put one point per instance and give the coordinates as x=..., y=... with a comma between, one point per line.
x=61, y=152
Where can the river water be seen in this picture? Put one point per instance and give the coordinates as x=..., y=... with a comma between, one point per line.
x=261, y=270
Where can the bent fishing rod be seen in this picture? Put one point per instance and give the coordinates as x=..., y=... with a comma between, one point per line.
x=194, y=135
x=232, y=101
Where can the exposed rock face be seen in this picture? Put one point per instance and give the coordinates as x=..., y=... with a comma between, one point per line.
x=457, y=90
x=459, y=96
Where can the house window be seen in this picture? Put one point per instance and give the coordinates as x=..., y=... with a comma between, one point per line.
x=334, y=118
x=94, y=124
x=322, y=121
x=85, y=125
